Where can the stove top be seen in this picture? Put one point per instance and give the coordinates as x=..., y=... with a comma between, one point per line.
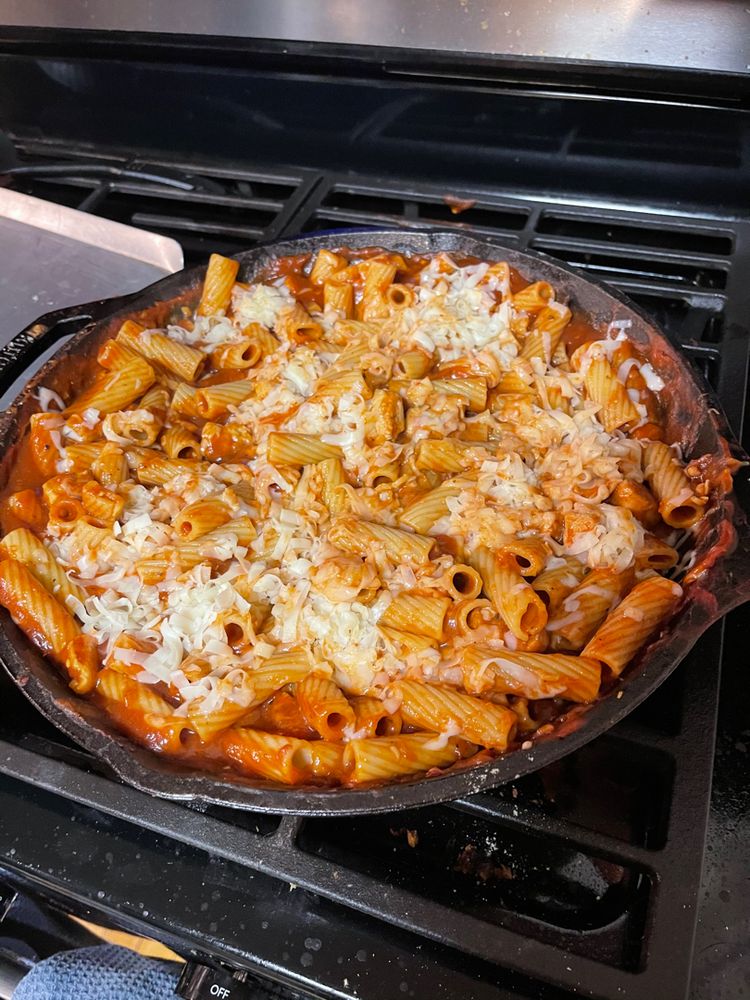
x=581, y=879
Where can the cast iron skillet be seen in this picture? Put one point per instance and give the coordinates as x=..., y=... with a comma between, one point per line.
x=721, y=574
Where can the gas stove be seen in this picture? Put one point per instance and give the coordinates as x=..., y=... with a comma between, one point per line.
x=582, y=879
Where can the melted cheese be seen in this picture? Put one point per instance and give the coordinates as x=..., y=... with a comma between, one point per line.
x=260, y=304
x=532, y=463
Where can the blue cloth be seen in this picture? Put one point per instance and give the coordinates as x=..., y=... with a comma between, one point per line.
x=106, y=972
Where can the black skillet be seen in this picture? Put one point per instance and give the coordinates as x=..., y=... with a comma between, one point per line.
x=720, y=577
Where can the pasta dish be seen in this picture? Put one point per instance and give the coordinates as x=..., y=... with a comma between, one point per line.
x=364, y=515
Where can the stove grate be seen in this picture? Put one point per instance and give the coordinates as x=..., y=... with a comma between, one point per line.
x=582, y=877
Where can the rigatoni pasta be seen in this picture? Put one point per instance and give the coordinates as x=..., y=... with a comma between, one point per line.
x=356, y=517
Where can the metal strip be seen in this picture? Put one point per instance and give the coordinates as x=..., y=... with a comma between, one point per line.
x=681, y=34
x=149, y=248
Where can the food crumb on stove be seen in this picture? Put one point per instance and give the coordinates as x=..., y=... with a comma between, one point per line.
x=527, y=745
x=514, y=792
x=458, y=205
x=620, y=694
x=412, y=838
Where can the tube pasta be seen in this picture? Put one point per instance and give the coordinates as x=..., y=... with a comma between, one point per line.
x=118, y=687
x=678, y=504
x=299, y=449
x=439, y=708
x=417, y=613
x=515, y=601
x=423, y=513
x=216, y=400
x=85, y=538
x=533, y=297
x=219, y=443
x=385, y=417
x=390, y=756
x=63, y=486
x=553, y=585
x=140, y=712
x=209, y=724
x=81, y=457
x=372, y=718
x=586, y=606
x=399, y=296
x=281, y=758
x=545, y=334
x=325, y=265
x=200, y=517
x=153, y=469
x=102, y=504
x=462, y=582
x=110, y=467
x=466, y=616
x=528, y=554
x=240, y=355
x=267, y=342
x=403, y=643
x=656, y=554
x=115, y=390
x=82, y=663
x=636, y=617
x=412, y=364
x=324, y=706
x=512, y=382
x=281, y=714
x=27, y=507
x=531, y=675
x=64, y=513
x=221, y=274
x=180, y=441
x=383, y=475
x=36, y=612
x=335, y=385
x=24, y=547
x=604, y=388
x=473, y=390
x=297, y=325
x=114, y=354
x=360, y=537
x=638, y=499
x=156, y=399
x=215, y=543
x=444, y=455
x=181, y=360
x=332, y=478
x=183, y=401
x=139, y=427
x=379, y=274
x=338, y=297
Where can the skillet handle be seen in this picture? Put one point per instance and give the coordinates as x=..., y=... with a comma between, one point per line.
x=30, y=343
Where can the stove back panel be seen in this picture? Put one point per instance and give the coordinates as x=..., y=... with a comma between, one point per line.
x=581, y=879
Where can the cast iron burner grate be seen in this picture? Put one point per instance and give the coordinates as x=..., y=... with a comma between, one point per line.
x=580, y=879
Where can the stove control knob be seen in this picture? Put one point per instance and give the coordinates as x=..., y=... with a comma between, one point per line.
x=202, y=982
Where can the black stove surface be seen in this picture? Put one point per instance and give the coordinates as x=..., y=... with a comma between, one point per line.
x=583, y=879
